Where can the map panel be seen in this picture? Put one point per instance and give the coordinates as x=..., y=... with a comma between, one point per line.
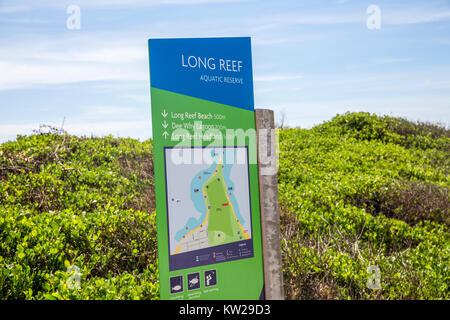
x=208, y=204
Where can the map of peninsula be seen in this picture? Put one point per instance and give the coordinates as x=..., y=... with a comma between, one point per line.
x=223, y=224
x=219, y=216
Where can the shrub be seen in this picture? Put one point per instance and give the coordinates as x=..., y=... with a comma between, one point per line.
x=355, y=192
x=77, y=201
x=409, y=201
x=347, y=187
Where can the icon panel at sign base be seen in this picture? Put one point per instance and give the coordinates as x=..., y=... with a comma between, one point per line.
x=210, y=278
x=193, y=281
x=176, y=284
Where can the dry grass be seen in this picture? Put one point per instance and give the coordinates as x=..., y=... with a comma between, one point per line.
x=300, y=283
x=406, y=127
x=142, y=166
x=409, y=201
x=307, y=279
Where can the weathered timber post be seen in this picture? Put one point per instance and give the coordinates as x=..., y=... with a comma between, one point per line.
x=270, y=214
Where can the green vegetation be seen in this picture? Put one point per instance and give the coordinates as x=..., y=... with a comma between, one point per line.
x=363, y=190
x=357, y=191
x=68, y=201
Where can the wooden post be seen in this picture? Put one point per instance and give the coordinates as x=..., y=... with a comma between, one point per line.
x=270, y=215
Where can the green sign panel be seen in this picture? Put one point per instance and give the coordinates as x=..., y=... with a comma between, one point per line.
x=206, y=174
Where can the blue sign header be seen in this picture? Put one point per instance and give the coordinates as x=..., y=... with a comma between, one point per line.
x=214, y=69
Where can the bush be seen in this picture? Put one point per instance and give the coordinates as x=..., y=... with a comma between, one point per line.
x=355, y=192
x=69, y=201
x=409, y=134
x=409, y=201
x=347, y=187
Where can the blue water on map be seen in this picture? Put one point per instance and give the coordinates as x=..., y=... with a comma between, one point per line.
x=230, y=184
x=198, y=198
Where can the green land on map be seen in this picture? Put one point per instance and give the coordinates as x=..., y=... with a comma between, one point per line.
x=223, y=225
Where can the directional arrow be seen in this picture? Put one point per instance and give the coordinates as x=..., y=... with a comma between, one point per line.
x=165, y=134
x=164, y=113
x=164, y=124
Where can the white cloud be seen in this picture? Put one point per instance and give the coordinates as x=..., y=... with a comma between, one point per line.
x=101, y=112
x=23, y=20
x=14, y=9
x=136, y=129
x=391, y=60
x=77, y=59
x=320, y=18
x=132, y=3
x=111, y=55
x=390, y=15
x=267, y=40
x=309, y=113
x=20, y=5
x=279, y=77
x=11, y=130
x=105, y=128
x=141, y=98
x=414, y=16
x=25, y=74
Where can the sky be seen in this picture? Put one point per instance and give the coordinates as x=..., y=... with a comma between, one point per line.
x=312, y=59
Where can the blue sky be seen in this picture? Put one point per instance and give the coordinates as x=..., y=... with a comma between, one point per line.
x=311, y=59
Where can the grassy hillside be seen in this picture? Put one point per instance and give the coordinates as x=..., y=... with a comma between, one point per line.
x=357, y=191
x=361, y=190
